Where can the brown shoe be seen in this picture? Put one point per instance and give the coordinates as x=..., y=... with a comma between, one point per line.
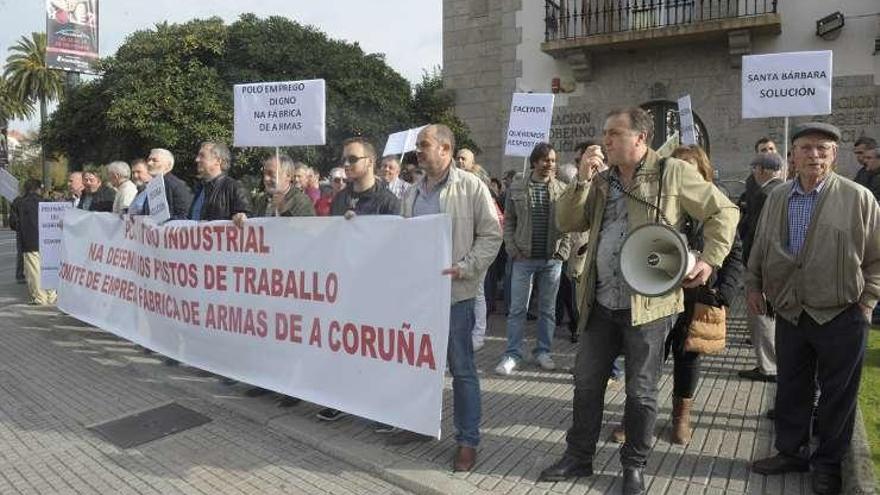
x=681, y=420
x=465, y=458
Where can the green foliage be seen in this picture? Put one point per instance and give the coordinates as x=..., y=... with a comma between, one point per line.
x=27, y=73
x=171, y=87
x=12, y=106
x=432, y=103
x=869, y=396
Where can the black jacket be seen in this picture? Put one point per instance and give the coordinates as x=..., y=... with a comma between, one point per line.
x=869, y=179
x=178, y=195
x=726, y=280
x=24, y=219
x=224, y=197
x=377, y=200
x=753, y=215
x=102, y=199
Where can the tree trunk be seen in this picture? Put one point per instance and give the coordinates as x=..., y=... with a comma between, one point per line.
x=47, y=181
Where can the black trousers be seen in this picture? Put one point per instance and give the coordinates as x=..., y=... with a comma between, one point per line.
x=830, y=354
x=609, y=334
x=566, y=300
x=686, y=365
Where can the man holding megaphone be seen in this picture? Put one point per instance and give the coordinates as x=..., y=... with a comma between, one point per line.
x=639, y=188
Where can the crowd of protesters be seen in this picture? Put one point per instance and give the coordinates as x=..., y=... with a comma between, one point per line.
x=802, y=245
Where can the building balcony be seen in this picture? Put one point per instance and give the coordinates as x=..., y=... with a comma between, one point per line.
x=575, y=27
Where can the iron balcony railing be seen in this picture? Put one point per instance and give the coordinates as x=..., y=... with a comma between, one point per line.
x=569, y=19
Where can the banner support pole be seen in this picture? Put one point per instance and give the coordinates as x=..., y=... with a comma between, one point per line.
x=785, y=148
x=277, y=173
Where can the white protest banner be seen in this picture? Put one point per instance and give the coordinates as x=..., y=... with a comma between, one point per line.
x=411, y=138
x=786, y=84
x=395, y=144
x=402, y=142
x=8, y=185
x=530, y=117
x=294, y=305
x=157, y=200
x=290, y=113
x=50, y=231
x=686, y=121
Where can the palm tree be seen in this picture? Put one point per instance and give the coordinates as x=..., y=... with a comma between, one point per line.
x=30, y=78
x=11, y=105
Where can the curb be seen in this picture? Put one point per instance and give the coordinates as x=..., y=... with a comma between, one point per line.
x=858, y=469
x=415, y=476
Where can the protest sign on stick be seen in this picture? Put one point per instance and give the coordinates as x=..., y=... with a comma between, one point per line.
x=50, y=231
x=289, y=113
x=157, y=200
x=686, y=121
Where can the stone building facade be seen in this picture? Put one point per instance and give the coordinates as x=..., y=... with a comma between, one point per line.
x=602, y=54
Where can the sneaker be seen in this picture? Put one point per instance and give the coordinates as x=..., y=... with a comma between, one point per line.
x=545, y=361
x=330, y=414
x=383, y=428
x=478, y=344
x=506, y=366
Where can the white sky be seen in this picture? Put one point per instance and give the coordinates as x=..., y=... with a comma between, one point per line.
x=408, y=32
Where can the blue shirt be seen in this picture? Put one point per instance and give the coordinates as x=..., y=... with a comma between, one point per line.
x=428, y=202
x=137, y=204
x=611, y=291
x=801, y=206
x=197, y=205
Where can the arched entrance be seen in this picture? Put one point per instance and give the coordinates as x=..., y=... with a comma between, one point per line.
x=666, y=123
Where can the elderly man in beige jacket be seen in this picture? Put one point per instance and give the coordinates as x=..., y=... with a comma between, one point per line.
x=614, y=319
x=816, y=259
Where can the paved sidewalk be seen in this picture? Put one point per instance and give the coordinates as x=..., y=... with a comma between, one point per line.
x=56, y=378
x=94, y=376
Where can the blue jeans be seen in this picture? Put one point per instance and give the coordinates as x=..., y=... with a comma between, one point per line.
x=547, y=273
x=465, y=384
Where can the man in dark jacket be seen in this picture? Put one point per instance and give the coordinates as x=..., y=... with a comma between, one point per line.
x=218, y=196
x=24, y=219
x=96, y=195
x=178, y=195
x=364, y=195
x=860, y=147
x=766, y=169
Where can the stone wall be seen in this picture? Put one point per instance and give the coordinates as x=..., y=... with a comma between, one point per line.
x=480, y=66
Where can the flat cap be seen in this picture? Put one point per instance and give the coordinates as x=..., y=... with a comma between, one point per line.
x=767, y=161
x=828, y=130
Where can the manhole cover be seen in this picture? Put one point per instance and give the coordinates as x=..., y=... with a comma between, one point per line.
x=149, y=425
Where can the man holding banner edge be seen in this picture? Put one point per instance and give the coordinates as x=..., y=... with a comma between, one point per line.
x=476, y=238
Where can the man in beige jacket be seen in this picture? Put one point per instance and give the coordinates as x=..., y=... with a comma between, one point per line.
x=476, y=237
x=816, y=259
x=614, y=319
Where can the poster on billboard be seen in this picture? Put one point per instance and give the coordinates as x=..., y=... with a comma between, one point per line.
x=72, y=35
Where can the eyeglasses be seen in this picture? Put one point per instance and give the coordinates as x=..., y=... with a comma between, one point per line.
x=350, y=160
x=339, y=179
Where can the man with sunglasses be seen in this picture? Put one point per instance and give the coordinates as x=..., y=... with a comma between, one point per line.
x=364, y=195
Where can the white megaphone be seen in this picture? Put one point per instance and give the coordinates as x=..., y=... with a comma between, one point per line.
x=655, y=259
